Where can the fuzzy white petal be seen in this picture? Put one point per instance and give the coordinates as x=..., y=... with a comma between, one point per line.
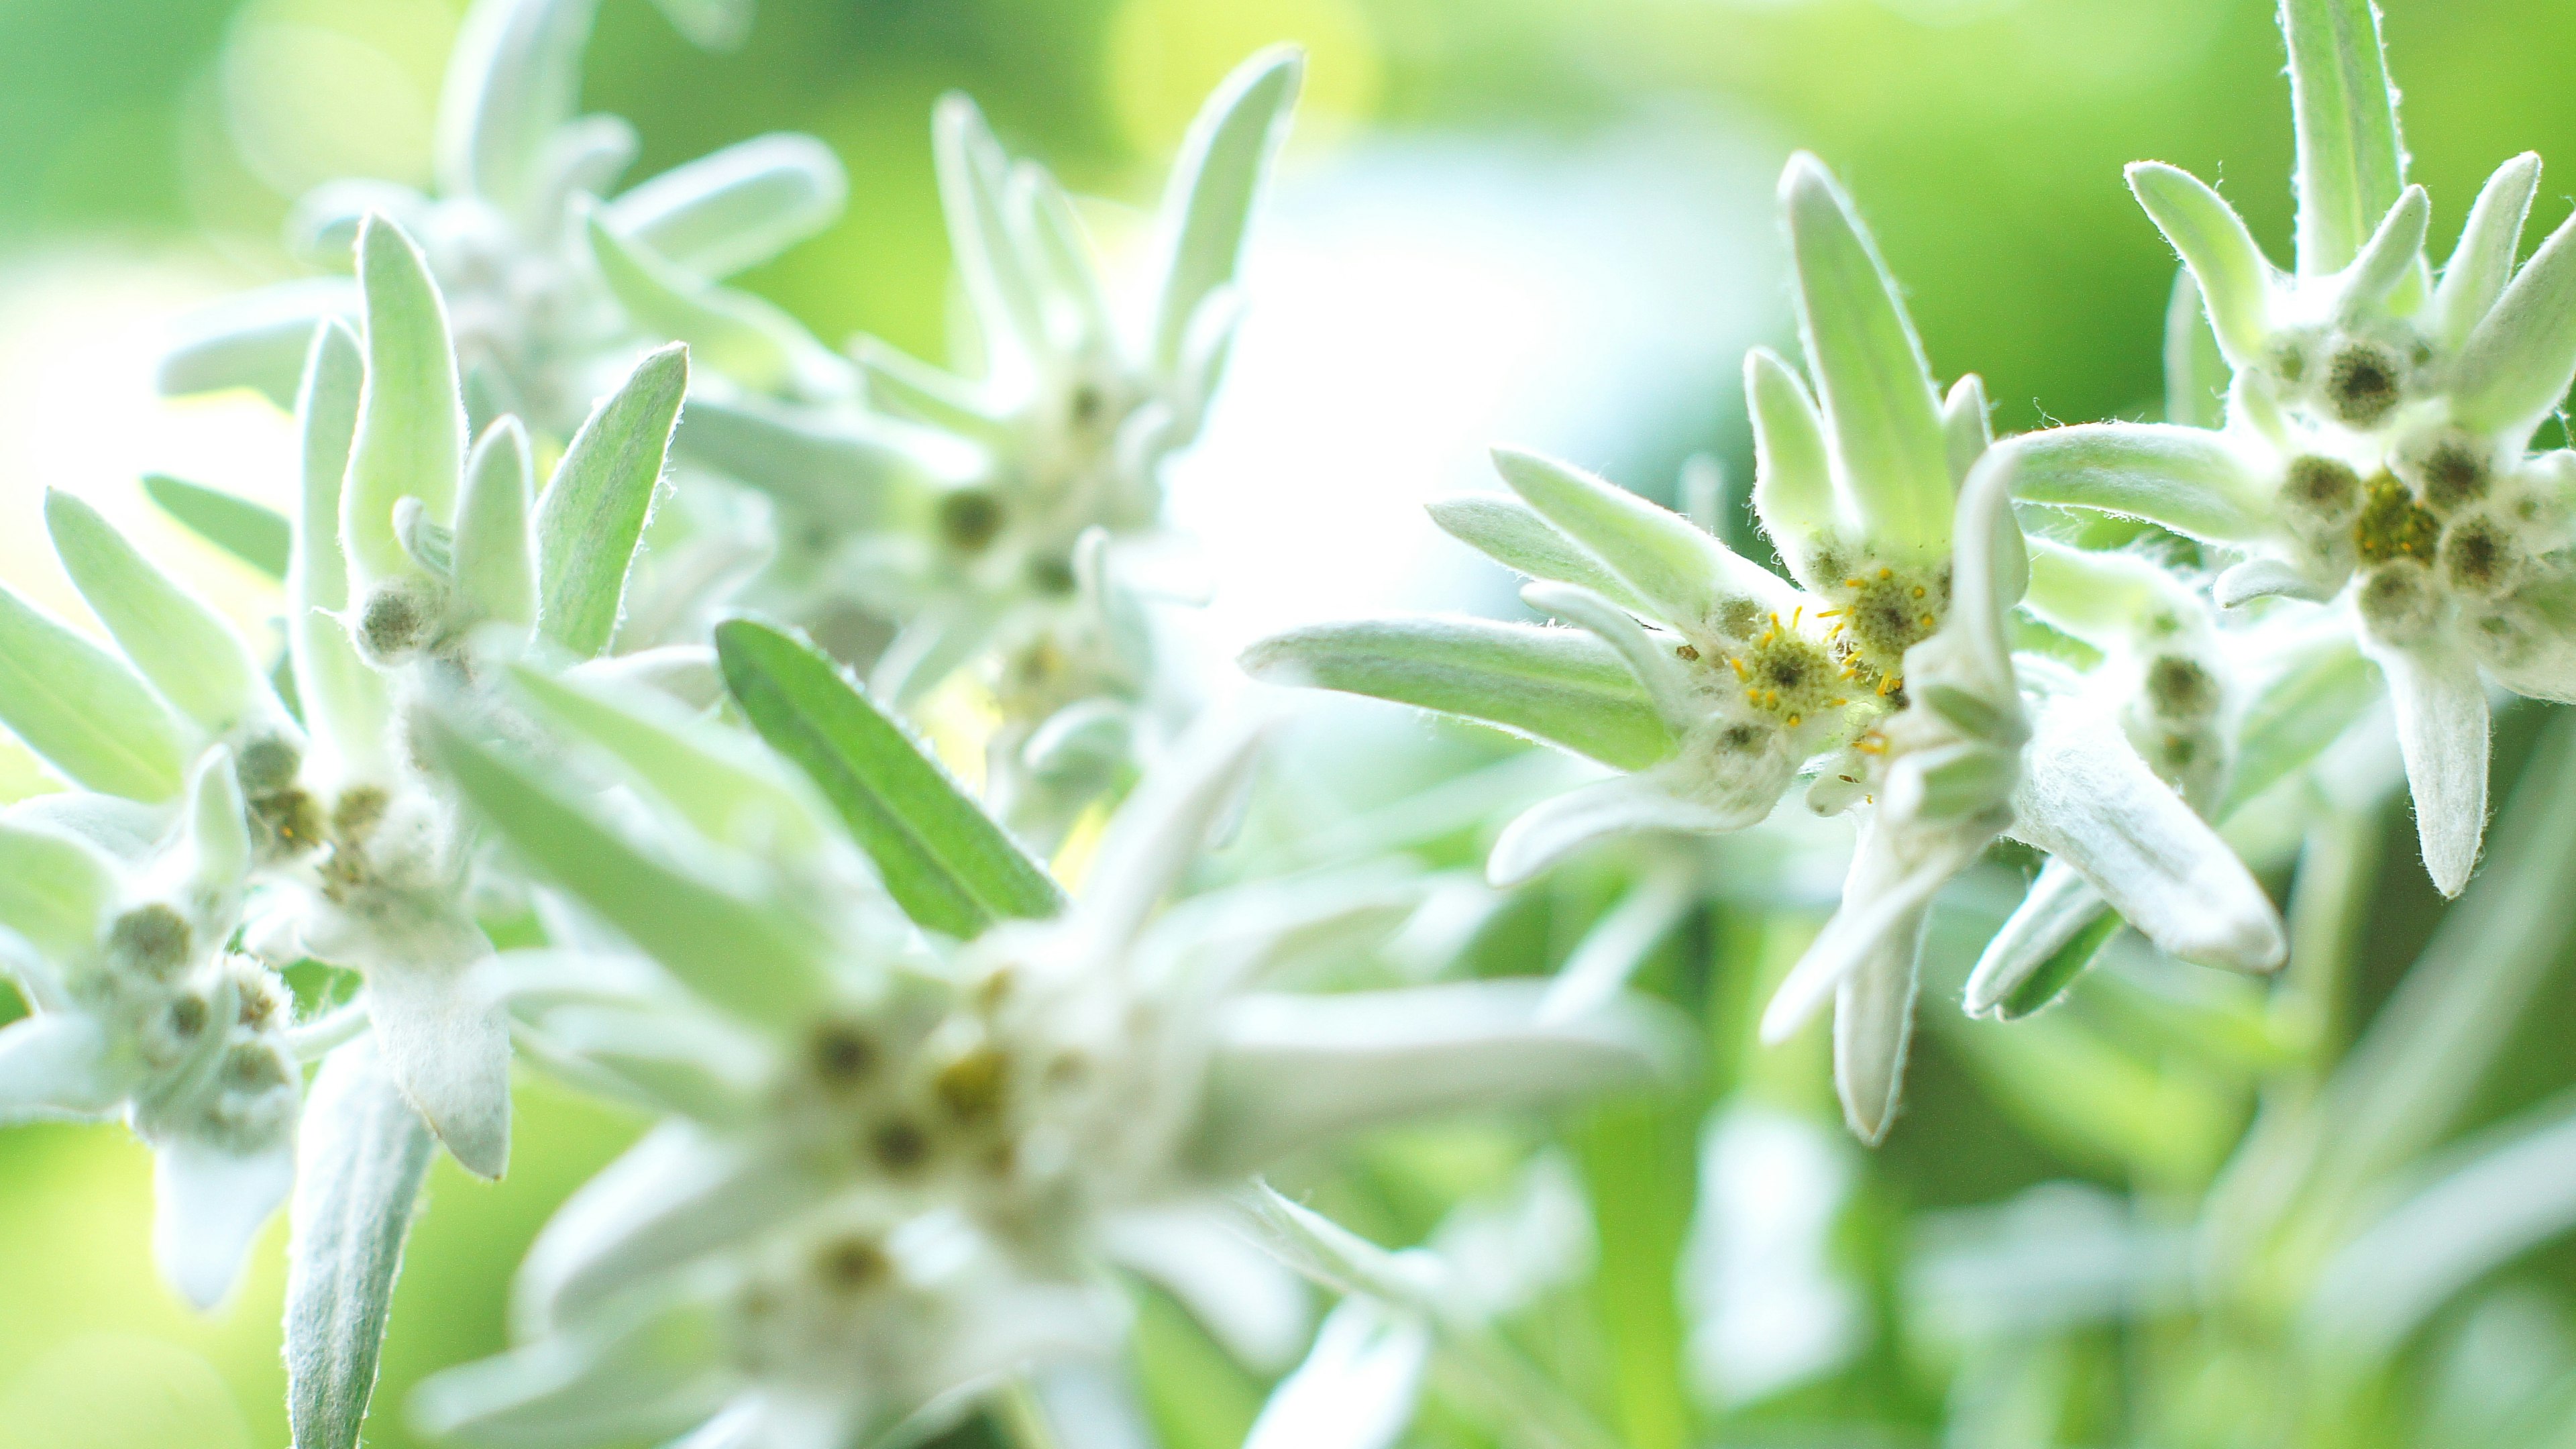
x=207, y=1206
x=1358, y=1386
x=1884, y=898
x=1554, y=829
x=446, y=1042
x=1253, y=1303
x=2061, y=903
x=2086, y=798
x=2442, y=731
x=1873, y=1023
x=55, y=1064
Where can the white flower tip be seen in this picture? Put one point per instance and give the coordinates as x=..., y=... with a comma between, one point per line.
x=208, y=1206
x=1788, y=1013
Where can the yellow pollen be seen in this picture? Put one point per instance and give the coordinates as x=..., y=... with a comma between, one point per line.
x=1890, y=685
x=1919, y=591
x=1796, y=615
x=1853, y=583
x=1836, y=703
x=1793, y=721
x=1738, y=666
x=1829, y=613
x=1927, y=621
x=1887, y=573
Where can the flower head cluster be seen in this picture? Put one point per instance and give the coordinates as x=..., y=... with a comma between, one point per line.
x=118, y=922
x=2375, y=444
x=1013, y=521
x=1883, y=670
x=552, y=290
x=900, y=1157
x=410, y=554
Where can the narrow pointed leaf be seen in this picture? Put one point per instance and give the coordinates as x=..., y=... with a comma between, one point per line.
x=2351, y=160
x=1208, y=201
x=1892, y=464
x=54, y=891
x=2196, y=372
x=2483, y=261
x=1294, y=1071
x=701, y=769
x=362, y=1155
x=410, y=439
x=748, y=956
x=83, y=711
x=1793, y=474
x=943, y=859
x=2442, y=731
x=2235, y=281
x=57, y=1065
x=344, y=700
x=513, y=78
x=256, y=535
x=495, y=554
x=208, y=1205
x=256, y=340
x=1555, y=828
x=2515, y=365
x=187, y=650
x=1560, y=685
x=2058, y=908
x=736, y=207
x=845, y=471
x=2394, y=255
x=1514, y=535
x=731, y=332
x=595, y=506
x=1965, y=426
x=1664, y=557
x=2193, y=482
x=993, y=272
x=1873, y=1029
x=2087, y=798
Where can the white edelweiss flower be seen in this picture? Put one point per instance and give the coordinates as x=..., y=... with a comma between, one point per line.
x=119, y=940
x=2375, y=448
x=552, y=292
x=960, y=512
x=1714, y=683
x=1068, y=1087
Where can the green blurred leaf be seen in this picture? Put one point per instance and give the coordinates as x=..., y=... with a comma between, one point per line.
x=362, y=1155
x=945, y=861
x=257, y=536
x=188, y=651
x=594, y=508
x=83, y=711
x=1208, y=201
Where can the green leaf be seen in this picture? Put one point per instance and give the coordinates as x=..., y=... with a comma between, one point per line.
x=2235, y=281
x=513, y=78
x=1892, y=460
x=83, y=711
x=949, y=866
x=362, y=1156
x=1512, y=534
x=2483, y=261
x=55, y=892
x=1793, y=473
x=748, y=955
x=1664, y=557
x=748, y=340
x=2310, y=696
x=2393, y=256
x=2352, y=162
x=736, y=207
x=494, y=552
x=2516, y=364
x=2053, y=976
x=2186, y=479
x=711, y=774
x=256, y=340
x=410, y=440
x=1560, y=685
x=1208, y=202
x=344, y=700
x=2195, y=370
x=256, y=535
x=187, y=650
x=844, y=469
x=595, y=505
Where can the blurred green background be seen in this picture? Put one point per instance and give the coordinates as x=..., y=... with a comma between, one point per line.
x=154, y=146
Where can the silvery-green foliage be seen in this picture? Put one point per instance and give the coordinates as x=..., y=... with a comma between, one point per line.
x=119, y=919
x=2375, y=450
x=1012, y=522
x=1880, y=668
x=913, y=1103
x=554, y=281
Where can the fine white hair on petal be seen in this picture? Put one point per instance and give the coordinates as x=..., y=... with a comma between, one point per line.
x=1874, y=1023
x=2442, y=722
x=207, y=1206
x=2088, y=799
